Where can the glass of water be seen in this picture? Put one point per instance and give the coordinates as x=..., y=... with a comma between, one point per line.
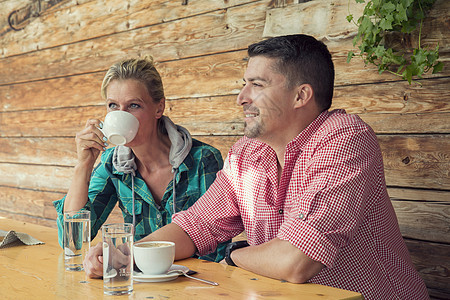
x=117, y=258
x=77, y=238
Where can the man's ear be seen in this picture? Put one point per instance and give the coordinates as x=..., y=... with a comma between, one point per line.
x=305, y=94
x=160, y=108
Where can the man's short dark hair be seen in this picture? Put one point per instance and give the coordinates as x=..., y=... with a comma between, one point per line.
x=302, y=59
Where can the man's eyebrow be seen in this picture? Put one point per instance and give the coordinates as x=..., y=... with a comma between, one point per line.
x=257, y=78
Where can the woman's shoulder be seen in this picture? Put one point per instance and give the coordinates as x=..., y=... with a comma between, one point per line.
x=202, y=151
x=204, y=148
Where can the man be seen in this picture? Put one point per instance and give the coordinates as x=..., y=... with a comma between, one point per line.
x=306, y=184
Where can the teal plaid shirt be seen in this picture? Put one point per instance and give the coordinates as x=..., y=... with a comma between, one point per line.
x=108, y=186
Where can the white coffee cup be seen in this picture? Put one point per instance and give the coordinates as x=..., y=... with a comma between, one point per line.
x=120, y=127
x=154, y=258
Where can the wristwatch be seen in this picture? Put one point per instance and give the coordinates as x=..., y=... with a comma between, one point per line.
x=230, y=248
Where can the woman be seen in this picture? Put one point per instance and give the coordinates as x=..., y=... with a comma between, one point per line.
x=161, y=171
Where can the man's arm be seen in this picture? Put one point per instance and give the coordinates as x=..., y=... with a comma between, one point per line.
x=184, y=246
x=277, y=259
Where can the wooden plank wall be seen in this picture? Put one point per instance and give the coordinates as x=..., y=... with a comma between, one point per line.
x=51, y=71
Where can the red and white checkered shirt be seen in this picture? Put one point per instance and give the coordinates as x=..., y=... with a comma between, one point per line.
x=331, y=203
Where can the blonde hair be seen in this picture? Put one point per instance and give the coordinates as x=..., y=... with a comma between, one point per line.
x=141, y=69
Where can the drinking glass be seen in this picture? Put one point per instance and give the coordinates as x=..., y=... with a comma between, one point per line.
x=76, y=238
x=117, y=258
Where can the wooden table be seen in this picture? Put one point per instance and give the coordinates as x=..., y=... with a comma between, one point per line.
x=37, y=272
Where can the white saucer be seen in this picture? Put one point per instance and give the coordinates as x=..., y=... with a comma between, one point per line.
x=141, y=277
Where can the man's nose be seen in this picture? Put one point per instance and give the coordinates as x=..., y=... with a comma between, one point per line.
x=244, y=96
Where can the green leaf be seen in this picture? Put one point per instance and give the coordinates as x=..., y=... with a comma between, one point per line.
x=350, y=56
x=407, y=3
x=419, y=56
x=438, y=67
x=380, y=16
x=407, y=75
x=386, y=23
x=366, y=25
x=401, y=13
x=379, y=51
x=388, y=8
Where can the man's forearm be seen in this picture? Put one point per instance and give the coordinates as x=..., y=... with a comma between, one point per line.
x=277, y=259
x=184, y=246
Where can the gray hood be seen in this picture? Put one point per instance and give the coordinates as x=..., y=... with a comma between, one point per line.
x=181, y=144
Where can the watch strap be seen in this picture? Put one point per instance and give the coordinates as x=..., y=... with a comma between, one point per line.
x=230, y=248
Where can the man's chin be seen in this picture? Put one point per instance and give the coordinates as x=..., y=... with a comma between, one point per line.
x=251, y=134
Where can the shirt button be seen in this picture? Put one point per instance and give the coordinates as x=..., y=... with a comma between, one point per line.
x=301, y=216
x=158, y=216
x=280, y=211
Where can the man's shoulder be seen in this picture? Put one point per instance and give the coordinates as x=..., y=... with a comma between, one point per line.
x=340, y=117
x=338, y=120
x=247, y=146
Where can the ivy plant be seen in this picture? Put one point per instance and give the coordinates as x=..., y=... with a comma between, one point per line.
x=382, y=17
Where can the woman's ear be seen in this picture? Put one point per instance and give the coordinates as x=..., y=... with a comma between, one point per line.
x=305, y=94
x=160, y=108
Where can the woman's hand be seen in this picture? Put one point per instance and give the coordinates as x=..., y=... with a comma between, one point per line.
x=117, y=258
x=93, y=262
x=90, y=142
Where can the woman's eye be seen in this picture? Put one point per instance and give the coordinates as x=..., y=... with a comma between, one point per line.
x=134, y=105
x=112, y=105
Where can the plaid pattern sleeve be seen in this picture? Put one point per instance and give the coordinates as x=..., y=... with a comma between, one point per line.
x=102, y=197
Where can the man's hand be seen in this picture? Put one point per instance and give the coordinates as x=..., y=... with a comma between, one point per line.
x=93, y=262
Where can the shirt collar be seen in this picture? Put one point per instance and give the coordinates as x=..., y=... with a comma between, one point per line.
x=305, y=135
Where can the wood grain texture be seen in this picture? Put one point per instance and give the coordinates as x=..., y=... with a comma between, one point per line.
x=431, y=260
x=78, y=21
x=426, y=221
x=325, y=20
x=36, y=177
x=418, y=194
x=221, y=31
x=409, y=159
x=168, y=41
